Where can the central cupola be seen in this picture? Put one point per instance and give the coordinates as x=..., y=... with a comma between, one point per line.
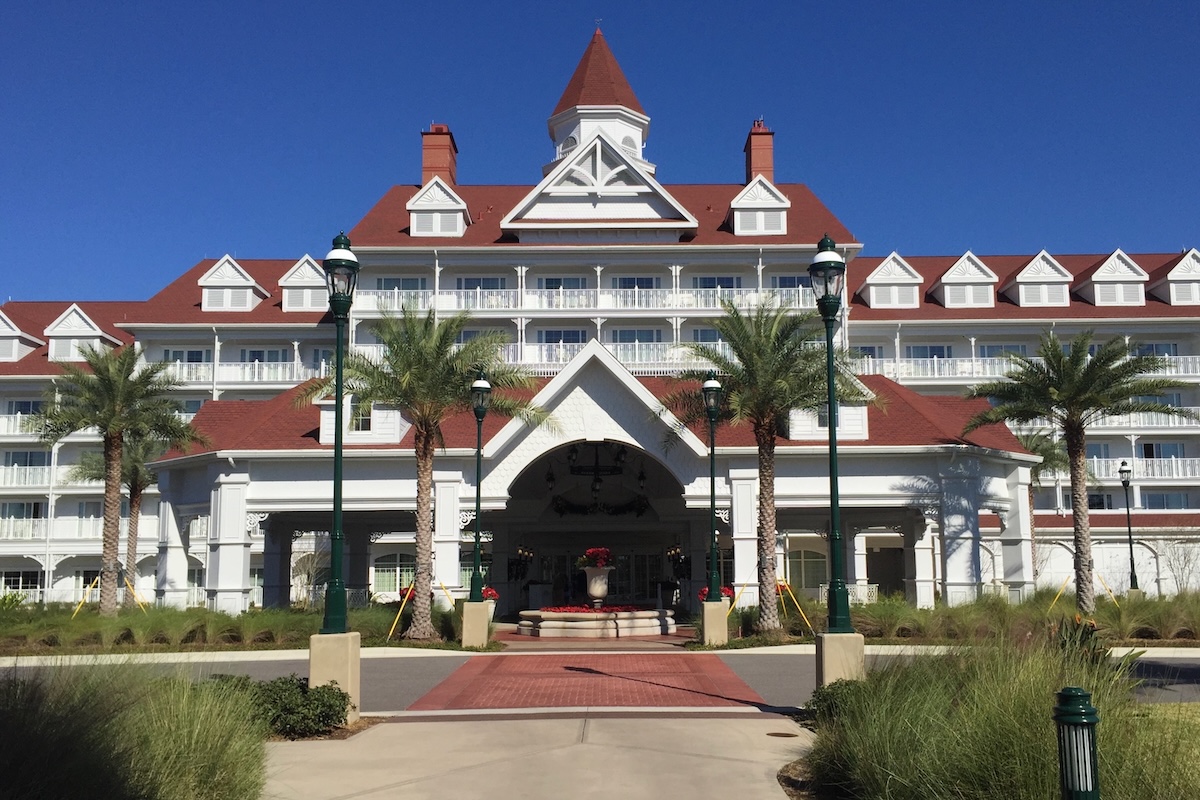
x=598, y=99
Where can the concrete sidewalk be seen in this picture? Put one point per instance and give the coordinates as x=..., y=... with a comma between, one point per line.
x=629, y=756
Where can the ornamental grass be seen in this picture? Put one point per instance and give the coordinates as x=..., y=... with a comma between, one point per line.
x=977, y=724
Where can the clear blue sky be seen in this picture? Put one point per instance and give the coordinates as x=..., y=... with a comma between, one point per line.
x=139, y=137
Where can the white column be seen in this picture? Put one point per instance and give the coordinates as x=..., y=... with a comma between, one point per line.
x=743, y=523
x=960, y=531
x=857, y=561
x=172, y=586
x=1016, y=538
x=228, y=575
x=447, y=537
x=919, y=562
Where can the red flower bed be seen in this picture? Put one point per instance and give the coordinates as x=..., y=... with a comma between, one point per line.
x=590, y=609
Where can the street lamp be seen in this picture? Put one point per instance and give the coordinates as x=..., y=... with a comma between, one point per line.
x=341, y=276
x=481, y=395
x=711, y=390
x=827, y=271
x=1126, y=473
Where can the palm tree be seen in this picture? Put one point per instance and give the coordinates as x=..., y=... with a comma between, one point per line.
x=1054, y=460
x=425, y=372
x=137, y=477
x=118, y=399
x=1072, y=387
x=768, y=366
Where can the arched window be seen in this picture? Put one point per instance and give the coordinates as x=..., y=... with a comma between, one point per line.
x=393, y=572
x=567, y=145
x=629, y=146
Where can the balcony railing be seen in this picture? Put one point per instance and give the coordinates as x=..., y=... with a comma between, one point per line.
x=66, y=528
x=1140, y=422
x=11, y=424
x=1146, y=468
x=381, y=300
x=973, y=369
x=230, y=372
x=24, y=476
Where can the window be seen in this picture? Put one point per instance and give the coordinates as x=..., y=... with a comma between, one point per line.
x=1164, y=500
x=434, y=223
x=1157, y=349
x=27, y=458
x=966, y=295
x=637, y=283
x=568, y=144
x=274, y=356
x=360, y=416
x=1097, y=450
x=1098, y=501
x=15, y=581
x=823, y=416
x=706, y=335
x=1044, y=294
x=928, y=351
x=394, y=572
x=188, y=356
x=901, y=296
x=192, y=406
x=86, y=579
x=561, y=337
x=480, y=283
x=791, y=282
x=22, y=510
x=562, y=283
x=1166, y=398
x=630, y=335
x=807, y=569
x=1000, y=350
x=24, y=407
x=867, y=351
x=716, y=282
x=770, y=221
x=401, y=284
x=321, y=358
x=1162, y=449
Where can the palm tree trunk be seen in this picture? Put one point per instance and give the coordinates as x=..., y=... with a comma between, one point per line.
x=111, y=542
x=1085, y=592
x=131, y=537
x=768, y=604
x=422, y=617
x=1033, y=536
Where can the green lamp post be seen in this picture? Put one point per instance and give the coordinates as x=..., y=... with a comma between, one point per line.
x=711, y=390
x=827, y=271
x=1126, y=473
x=341, y=276
x=481, y=396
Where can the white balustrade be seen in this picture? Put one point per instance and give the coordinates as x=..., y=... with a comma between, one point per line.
x=12, y=424
x=24, y=476
x=190, y=372
x=264, y=372
x=860, y=594
x=22, y=528
x=392, y=300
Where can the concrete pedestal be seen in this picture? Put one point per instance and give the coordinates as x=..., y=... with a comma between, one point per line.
x=1135, y=595
x=476, y=619
x=716, y=626
x=840, y=655
x=335, y=657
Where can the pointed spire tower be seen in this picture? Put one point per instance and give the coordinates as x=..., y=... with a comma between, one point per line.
x=598, y=98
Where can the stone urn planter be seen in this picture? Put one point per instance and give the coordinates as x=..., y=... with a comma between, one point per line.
x=597, y=584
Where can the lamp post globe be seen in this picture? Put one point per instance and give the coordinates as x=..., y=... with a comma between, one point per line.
x=481, y=397
x=711, y=391
x=827, y=273
x=341, y=277
x=1126, y=473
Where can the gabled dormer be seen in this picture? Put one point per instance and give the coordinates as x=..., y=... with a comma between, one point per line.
x=1042, y=282
x=304, y=287
x=599, y=98
x=228, y=287
x=1119, y=281
x=759, y=210
x=435, y=210
x=967, y=284
x=598, y=194
x=1181, y=287
x=893, y=284
x=71, y=331
x=15, y=343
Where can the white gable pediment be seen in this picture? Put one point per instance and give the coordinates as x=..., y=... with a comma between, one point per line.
x=1188, y=268
x=303, y=287
x=1042, y=282
x=1042, y=268
x=305, y=272
x=969, y=269
x=73, y=322
x=967, y=284
x=760, y=193
x=227, y=272
x=759, y=210
x=893, y=284
x=894, y=270
x=598, y=186
x=435, y=195
x=228, y=287
x=436, y=210
x=1119, y=268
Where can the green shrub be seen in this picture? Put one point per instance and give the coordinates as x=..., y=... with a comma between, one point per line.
x=827, y=701
x=290, y=708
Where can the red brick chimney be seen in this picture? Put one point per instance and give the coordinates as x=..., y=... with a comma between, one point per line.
x=760, y=152
x=439, y=154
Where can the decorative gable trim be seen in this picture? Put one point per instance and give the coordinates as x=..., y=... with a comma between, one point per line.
x=893, y=284
x=967, y=284
x=436, y=210
x=1042, y=282
x=228, y=287
x=759, y=210
x=1181, y=287
x=1119, y=281
x=304, y=287
x=15, y=343
x=598, y=188
x=70, y=331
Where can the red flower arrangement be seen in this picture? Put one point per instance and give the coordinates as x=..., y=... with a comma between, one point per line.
x=406, y=595
x=594, y=557
x=590, y=609
x=490, y=594
x=726, y=591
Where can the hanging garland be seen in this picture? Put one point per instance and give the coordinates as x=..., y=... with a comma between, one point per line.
x=639, y=505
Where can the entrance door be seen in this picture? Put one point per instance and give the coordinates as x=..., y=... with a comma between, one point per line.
x=636, y=577
x=885, y=567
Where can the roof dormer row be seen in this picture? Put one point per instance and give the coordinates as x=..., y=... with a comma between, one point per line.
x=1042, y=281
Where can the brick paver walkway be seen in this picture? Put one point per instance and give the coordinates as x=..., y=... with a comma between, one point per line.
x=646, y=680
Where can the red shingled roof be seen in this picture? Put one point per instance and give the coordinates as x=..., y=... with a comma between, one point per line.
x=387, y=223
x=931, y=269
x=598, y=81
x=34, y=317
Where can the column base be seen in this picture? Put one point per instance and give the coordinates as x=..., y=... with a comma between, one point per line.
x=336, y=657
x=840, y=656
x=476, y=621
x=1135, y=594
x=716, y=626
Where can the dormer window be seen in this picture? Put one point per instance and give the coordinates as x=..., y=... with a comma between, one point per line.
x=1118, y=281
x=436, y=223
x=967, y=284
x=760, y=210
x=436, y=210
x=304, y=287
x=1042, y=282
x=64, y=348
x=769, y=222
x=964, y=296
x=1044, y=294
x=893, y=297
x=892, y=284
x=1120, y=294
x=228, y=287
x=227, y=299
x=568, y=144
